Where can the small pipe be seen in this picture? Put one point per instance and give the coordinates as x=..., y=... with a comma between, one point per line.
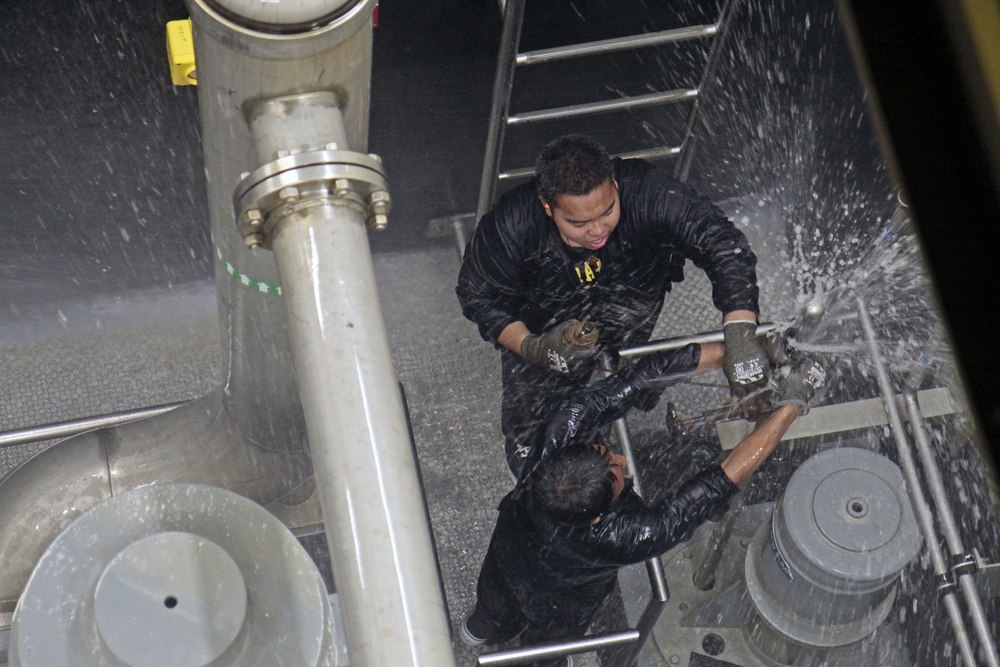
x=681, y=341
x=76, y=426
x=520, y=656
x=920, y=506
x=603, y=46
x=949, y=526
x=704, y=574
x=621, y=432
x=654, y=567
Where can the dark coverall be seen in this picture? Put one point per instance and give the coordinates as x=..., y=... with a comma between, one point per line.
x=548, y=578
x=516, y=267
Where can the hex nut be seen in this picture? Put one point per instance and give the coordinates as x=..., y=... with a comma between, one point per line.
x=253, y=217
x=380, y=201
x=253, y=241
x=342, y=186
x=289, y=193
x=378, y=222
x=332, y=146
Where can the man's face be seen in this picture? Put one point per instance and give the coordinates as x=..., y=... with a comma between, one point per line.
x=617, y=464
x=586, y=221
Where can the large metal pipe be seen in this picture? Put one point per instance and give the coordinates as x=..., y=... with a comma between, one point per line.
x=311, y=208
x=380, y=544
x=249, y=435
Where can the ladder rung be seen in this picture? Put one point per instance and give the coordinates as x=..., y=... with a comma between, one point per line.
x=617, y=44
x=604, y=106
x=646, y=154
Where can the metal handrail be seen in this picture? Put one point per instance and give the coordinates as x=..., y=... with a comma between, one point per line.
x=617, y=44
x=76, y=426
x=646, y=154
x=683, y=165
x=604, y=106
x=559, y=649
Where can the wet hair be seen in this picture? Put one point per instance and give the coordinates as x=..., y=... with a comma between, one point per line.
x=575, y=485
x=574, y=165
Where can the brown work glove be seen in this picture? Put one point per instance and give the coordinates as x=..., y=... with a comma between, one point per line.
x=567, y=348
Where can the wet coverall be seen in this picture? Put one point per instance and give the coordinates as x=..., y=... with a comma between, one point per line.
x=547, y=577
x=517, y=268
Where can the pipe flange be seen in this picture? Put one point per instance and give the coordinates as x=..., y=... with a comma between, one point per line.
x=294, y=182
x=268, y=40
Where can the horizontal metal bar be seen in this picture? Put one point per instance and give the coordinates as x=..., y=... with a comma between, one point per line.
x=645, y=154
x=528, y=654
x=77, y=426
x=616, y=44
x=680, y=341
x=842, y=417
x=604, y=106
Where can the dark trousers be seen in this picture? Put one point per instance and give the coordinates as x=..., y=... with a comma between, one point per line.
x=508, y=603
x=538, y=616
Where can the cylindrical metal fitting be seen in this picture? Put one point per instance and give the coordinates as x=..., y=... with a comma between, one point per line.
x=822, y=572
x=174, y=575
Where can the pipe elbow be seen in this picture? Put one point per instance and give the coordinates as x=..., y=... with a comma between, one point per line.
x=41, y=498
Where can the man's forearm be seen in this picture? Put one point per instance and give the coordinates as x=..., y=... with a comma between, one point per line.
x=738, y=315
x=753, y=450
x=513, y=335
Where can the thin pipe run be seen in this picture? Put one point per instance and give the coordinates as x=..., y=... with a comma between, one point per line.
x=920, y=506
x=949, y=526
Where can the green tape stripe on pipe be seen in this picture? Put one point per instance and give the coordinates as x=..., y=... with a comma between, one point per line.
x=258, y=285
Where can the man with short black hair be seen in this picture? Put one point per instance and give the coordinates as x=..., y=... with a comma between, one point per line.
x=580, y=259
x=573, y=519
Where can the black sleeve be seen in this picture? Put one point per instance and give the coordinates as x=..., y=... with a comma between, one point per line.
x=678, y=217
x=490, y=282
x=639, y=532
x=604, y=401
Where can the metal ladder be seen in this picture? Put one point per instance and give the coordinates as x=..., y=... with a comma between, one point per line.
x=509, y=59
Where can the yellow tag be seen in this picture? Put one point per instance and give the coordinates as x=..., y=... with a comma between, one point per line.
x=180, y=53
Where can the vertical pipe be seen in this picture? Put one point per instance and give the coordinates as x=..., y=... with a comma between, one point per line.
x=379, y=540
x=510, y=38
x=704, y=575
x=949, y=526
x=920, y=506
x=660, y=593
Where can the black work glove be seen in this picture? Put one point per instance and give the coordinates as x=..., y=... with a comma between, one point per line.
x=567, y=348
x=806, y=378
x=745, y=363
